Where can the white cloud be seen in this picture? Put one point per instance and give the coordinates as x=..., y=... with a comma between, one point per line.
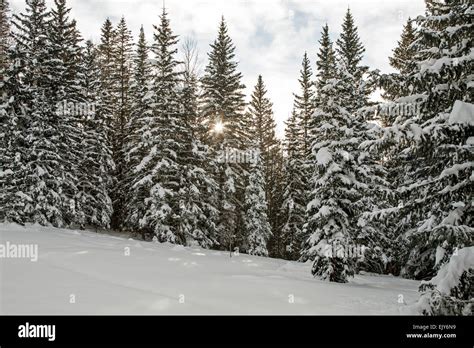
x=270, y=35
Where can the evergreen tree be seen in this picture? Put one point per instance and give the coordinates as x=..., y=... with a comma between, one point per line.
x=107, y=56
x=166, y=111
x=122, y=79
x=437, y=186
x=222, y=111
x=263, y=133
x=450, y=292
x=63, y=75
x=13, y=123
x=276, y=244
x=345, y=180
x=402, y=58
x=96, y=163
x=326, y=62
x=294, y=203
x=198, y=188
x=256, y=222
x=350, y=52
x=107, y=60
x=159, y=174
x=333, y=192
x=305, y=104
x=299, y=160
x=138, y=136
x=402, y=61
x=430, y=145
x=43, y=178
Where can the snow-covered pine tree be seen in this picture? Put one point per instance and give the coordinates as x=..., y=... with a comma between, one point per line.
x=107, y=57
x=294, y=205
x=402, y=61
x=393, y=246
x=402, y=58
x=298, y=162
x=13, y=122
x=167, y=114
x=257, y=226
x=263, y=132
x=305, y=104
x=325, y=64
x=63, y=73
x=345, y=178
x=107, y=60
x=451, y=291
x=159, y=174
x=198, y=188
x=368, y=183
x=222, y=111
x=96, y=162
x=438, y=189
x=350, y=51
x=138, y=136
x=330, y=212
x=43, y=179
x=431, y=143
x=122, y=80
x=276, y=244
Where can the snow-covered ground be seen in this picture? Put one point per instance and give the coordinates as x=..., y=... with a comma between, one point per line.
x=81, y=272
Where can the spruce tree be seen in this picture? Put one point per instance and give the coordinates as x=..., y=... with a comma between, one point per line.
x=436, y=188
x=450, y=292
x=198, y=188
x=294, y=202
x=402, y=58
x=222, y=104
x=122, y=79
x=138, y=137
x=263, y=133
x=345, y=178
x=107, y=59
x=430, y=142
x=13, y=123
x=402, y=61
x=43, y=180
x=350, y=51
x=96, y=162
x=330, y=211
x=276, y=244
x=326, y=62
x=299, y=162
x=305, y=103
x=256, y=221
x=63, y=72
x=158, y=175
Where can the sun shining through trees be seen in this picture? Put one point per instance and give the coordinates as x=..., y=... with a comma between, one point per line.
x=219, y=127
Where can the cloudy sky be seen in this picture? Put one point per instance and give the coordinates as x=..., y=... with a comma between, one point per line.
x=271, y=36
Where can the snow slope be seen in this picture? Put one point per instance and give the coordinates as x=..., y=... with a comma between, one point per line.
x=95, y=271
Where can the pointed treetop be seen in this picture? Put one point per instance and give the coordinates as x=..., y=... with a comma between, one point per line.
x=349, y=46
x=304, y=101
x=403, y=54
x=326, y=62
